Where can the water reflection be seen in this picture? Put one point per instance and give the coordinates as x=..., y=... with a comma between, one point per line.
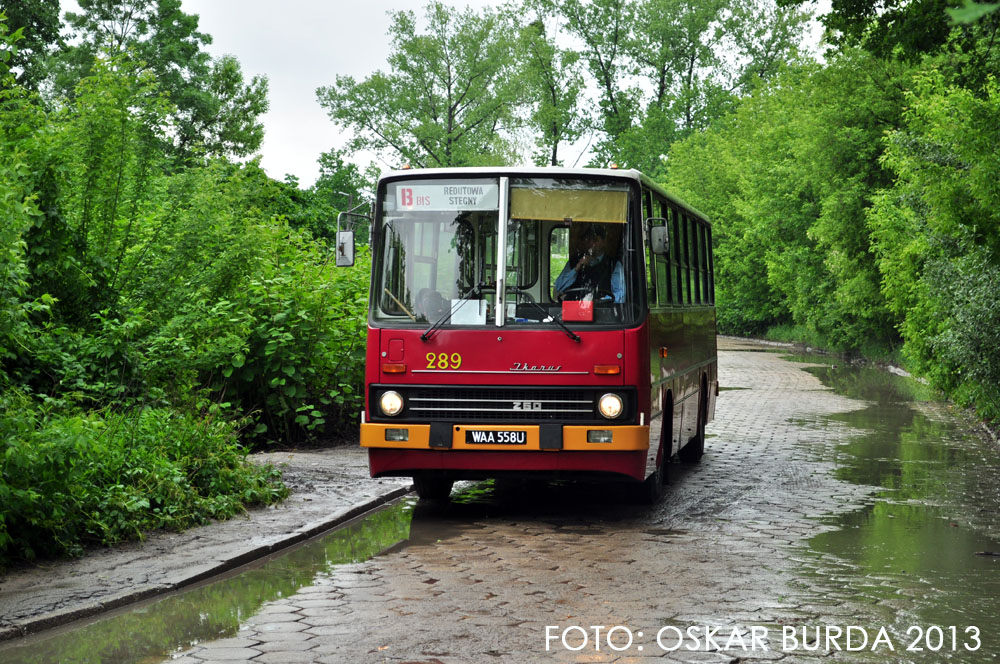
x=176, y=622
x=864, y=382
x=917, y=554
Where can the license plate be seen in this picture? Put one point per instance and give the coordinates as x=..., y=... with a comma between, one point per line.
x=481, y=437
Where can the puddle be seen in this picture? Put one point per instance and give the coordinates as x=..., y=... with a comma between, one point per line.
x=868, y=383
x=156, y=630
x=914, y=556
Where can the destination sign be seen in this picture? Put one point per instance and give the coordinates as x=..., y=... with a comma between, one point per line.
x=443, y=197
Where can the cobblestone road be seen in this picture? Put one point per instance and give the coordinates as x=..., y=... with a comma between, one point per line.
x=482, y=578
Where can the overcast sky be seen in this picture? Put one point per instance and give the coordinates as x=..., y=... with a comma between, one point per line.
x=301, y=45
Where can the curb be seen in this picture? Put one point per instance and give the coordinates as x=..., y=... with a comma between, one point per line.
x=58, y=618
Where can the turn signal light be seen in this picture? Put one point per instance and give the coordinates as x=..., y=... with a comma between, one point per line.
x=393, y=368
x=607, y=369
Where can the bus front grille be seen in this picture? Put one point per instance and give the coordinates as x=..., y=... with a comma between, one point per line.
x=500, y=404
x=476, y=404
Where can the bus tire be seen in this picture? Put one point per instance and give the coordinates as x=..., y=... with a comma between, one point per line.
x=695, y=448
x=651, y=489
x=432, y=488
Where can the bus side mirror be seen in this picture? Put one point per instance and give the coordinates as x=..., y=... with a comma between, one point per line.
x=345, y=248
x=659, y=240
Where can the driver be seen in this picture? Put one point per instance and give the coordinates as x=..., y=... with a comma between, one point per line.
x=594, y=270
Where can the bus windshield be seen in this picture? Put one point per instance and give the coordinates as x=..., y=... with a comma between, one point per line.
x=563, y=250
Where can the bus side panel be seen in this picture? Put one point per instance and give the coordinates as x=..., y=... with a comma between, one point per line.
x=637, y=374
x=636, y=371
x=699, y=360
x=665, y=346
x=683, y=349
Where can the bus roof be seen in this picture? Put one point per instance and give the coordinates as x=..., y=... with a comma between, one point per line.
x=545, y=171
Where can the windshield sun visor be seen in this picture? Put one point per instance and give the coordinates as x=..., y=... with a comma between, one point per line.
x=572, y=205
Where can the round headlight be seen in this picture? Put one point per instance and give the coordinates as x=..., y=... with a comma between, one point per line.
x=391, y=403
x=610, y=405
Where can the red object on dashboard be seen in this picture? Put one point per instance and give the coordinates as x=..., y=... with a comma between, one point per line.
x=580, y=312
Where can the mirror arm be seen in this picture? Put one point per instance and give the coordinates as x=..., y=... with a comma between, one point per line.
x=345, y=238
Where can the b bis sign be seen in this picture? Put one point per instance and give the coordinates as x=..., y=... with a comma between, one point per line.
x=444, y=197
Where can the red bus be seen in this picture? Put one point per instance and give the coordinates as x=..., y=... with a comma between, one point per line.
x=536, y=322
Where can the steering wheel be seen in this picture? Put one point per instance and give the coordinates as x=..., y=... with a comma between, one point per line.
x=599, y=293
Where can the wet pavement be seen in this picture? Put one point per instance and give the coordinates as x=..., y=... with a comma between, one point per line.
x=834, y=505
x=328, y=486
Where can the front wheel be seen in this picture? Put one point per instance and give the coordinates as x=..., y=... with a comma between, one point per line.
x=651, y=489
x=432, y=488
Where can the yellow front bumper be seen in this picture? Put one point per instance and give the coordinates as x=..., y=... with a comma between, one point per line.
x=624, y=438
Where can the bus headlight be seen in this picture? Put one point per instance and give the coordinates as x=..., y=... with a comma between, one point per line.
x=610, y=405
x=391, y=403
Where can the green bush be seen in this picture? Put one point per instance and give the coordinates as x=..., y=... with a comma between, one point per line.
x=67, y=481
x=246, y=312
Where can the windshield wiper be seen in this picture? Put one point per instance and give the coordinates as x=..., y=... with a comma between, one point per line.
x=476, y=290
x=570, y=333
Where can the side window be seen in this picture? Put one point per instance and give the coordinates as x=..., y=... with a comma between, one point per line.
x=651, y=267
x=703, y=262
x=694, y=244
x=558, y=254
x=679, y=244
x=664, y=278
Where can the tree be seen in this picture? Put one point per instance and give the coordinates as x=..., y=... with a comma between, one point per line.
x=694, y=60
x=603, y=27
x=674, y=49
x=937, y=234
x=217, y=111
x=39, y=23
x=341, y=187
x=19, y=119
x=970, y=11
x=448, y=99
x=915, y=27
x=787, y=179
x=111, y=149
x=555, y=82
